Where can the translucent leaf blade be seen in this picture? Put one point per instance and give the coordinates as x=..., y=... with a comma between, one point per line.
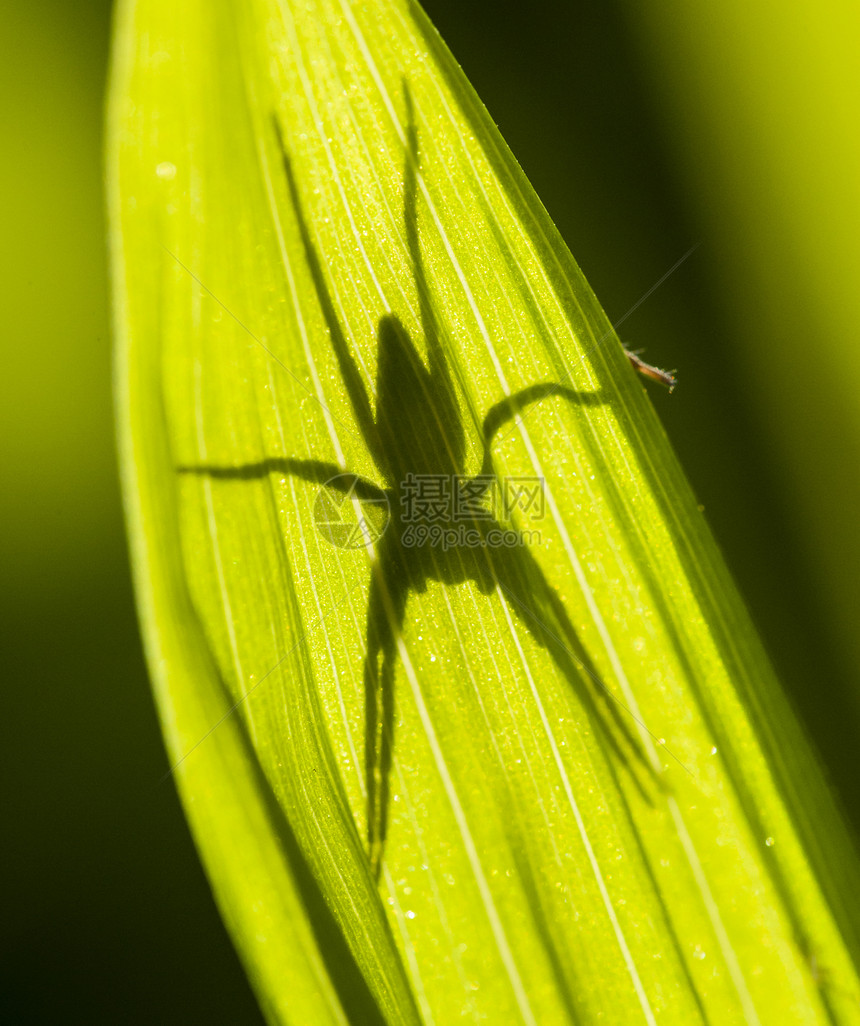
x=330, y=265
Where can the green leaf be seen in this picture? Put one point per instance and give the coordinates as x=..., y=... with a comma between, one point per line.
x=548, y=782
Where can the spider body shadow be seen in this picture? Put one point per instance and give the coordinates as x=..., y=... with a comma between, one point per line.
x=417, y=431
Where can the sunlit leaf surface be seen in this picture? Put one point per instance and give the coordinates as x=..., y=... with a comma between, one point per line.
x=541, y=775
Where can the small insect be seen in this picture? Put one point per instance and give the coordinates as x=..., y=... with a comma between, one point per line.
x=647, y=370
x=416, y=430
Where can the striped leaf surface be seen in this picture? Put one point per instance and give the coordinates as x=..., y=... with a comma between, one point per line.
x=466, y=715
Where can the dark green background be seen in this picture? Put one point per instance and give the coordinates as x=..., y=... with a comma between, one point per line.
x=107, y=915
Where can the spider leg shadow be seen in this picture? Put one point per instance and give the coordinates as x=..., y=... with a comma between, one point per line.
x=538, y=606
x=511, y=406
x=350, y=373
x=389, y=587
x=518, y=574
x=315, y=471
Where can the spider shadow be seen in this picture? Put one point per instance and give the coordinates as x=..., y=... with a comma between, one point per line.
x=417, y=433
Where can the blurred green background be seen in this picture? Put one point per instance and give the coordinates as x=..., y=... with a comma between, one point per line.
x=644, y=130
